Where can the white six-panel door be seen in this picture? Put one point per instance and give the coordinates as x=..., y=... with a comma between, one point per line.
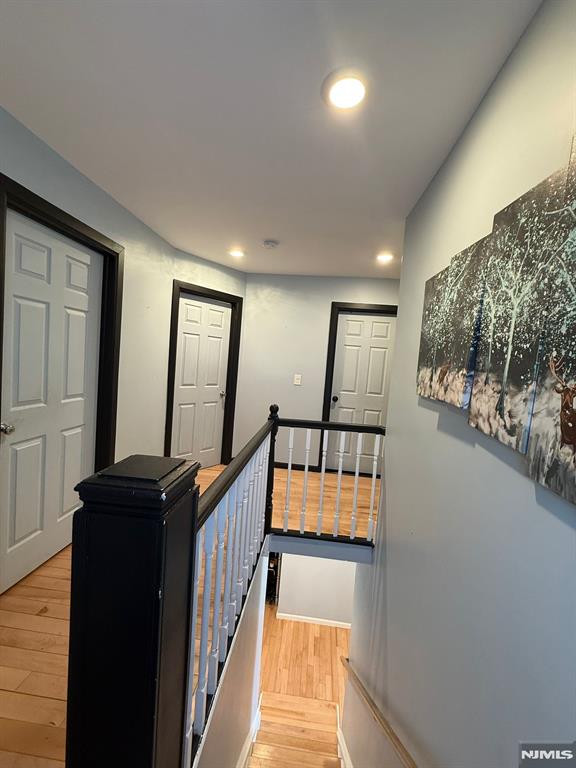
x=52, y=303
x=364, y=347
x=200, y=380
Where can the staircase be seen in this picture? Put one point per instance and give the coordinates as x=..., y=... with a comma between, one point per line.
x=296, y=731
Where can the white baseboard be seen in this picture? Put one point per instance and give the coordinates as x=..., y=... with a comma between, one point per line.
x=343, y=750
x=313, y=620
x=247, y=747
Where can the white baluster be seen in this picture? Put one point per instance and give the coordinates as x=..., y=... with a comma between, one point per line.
x=227, y=607
x=288, y=477
x=258, y=524
x=213, y=659
x=340, y=453
x=264, y=487
x=305, y=489
x=373, y=487
x=251, y=505
x=246, y=530
x=356, y=478
x=256, y=510
x=261, y=486
x=240, y=525
x=190, y=690
x=201, y=691
x=322, y=478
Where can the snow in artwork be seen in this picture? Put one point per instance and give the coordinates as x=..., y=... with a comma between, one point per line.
x=499, y=331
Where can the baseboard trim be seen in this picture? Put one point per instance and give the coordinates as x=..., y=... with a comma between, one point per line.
x=247, y=747
x=313, y=620
x=343, y=749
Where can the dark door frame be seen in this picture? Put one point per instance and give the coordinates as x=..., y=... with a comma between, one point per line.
x=345, y=308
x=179, y=288
x=15, y=197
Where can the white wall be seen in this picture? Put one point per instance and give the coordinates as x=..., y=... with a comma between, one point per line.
x=466, y=626
x=316, y=589
x=233, y=720
x=286, y=324
x=150, y=266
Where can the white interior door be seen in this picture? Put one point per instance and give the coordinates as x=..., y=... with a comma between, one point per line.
x=200, y=380
x=361, y=379
x=52, y=303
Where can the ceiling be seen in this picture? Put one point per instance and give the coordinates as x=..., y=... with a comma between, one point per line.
x=205, y=118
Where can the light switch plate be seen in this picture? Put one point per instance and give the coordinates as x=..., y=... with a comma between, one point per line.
x=298, y=379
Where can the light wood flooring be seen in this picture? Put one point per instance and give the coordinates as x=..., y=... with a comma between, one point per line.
x=302, y=686
x=34, y=629
x=312, y=500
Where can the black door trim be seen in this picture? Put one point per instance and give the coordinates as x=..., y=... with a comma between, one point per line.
x=338, y=308
x=178, y=288
x=17, y=198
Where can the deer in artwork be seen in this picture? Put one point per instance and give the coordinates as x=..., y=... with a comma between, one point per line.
x=567, y=411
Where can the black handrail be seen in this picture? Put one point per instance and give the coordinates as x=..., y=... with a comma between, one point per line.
x=333, y=426
x=216, y=491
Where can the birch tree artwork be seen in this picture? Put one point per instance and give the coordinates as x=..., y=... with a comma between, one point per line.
x=552, y=447
x=520, y=268
x=451, y=324
x=499, y=331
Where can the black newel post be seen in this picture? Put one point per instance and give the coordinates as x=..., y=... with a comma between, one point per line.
x=270, y=480
x=132, y=565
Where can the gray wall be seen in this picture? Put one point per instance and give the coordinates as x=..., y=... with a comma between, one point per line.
x=286, y=332
x=151, y=265
x=316, y=589
x=466, y=627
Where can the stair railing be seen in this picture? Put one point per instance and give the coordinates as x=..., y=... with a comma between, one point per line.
x=230, y=531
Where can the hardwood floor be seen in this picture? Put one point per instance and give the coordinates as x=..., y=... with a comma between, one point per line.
x=33, y=667
x=313, y=498
x=302, y=686
x=301, y=661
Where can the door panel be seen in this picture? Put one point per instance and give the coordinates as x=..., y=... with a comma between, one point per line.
x=51, y=333
x=200, y=378
x=364, y=347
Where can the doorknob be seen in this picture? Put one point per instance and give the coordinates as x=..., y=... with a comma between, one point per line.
x=7, y=429
x=334, y=398
x=222, y=393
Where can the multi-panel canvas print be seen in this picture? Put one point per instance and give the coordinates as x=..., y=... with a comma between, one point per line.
x=518, y=277
x=450, y=330
x=552, y=447
x=499, y=331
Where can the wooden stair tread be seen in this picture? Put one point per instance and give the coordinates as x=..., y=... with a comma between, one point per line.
x=302, y=715
x=321, y=733
x=297, y=742
x=277, y=718
x=288, y=701
x=290, y=756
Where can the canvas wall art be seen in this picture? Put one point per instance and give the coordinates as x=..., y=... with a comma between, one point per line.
x=499, y=331
x=450, y=330
x=518, y=276
x=552, y=446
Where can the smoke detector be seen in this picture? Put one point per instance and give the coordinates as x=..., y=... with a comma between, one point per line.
x=269, y=243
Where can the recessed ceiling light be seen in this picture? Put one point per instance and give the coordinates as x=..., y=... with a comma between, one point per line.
x=344, y=90
x=384, y=258
x=237, y=253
